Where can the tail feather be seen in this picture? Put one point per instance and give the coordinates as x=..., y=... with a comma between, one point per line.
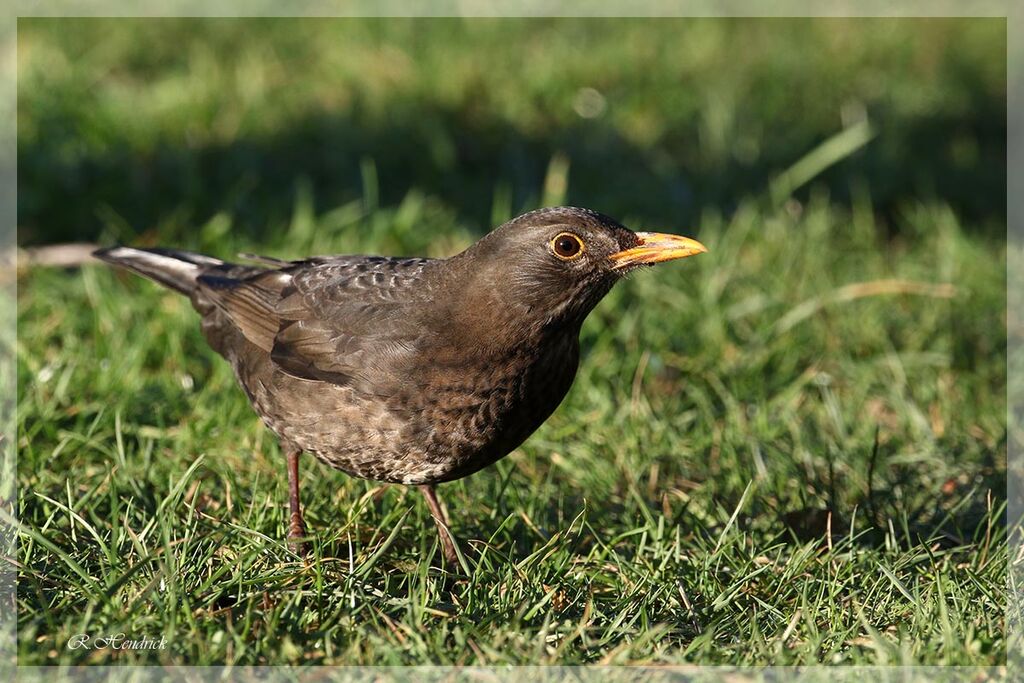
x=169, y=267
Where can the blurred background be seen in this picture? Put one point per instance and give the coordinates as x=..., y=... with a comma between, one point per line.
x=130, y=129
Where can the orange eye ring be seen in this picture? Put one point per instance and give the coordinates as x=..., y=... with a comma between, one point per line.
x=567, y=246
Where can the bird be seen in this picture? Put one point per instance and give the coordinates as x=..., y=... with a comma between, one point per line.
x=413, y=371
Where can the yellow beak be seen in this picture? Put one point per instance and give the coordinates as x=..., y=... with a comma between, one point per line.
x=656, y=247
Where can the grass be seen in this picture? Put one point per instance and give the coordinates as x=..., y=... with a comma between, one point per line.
x=789, y=450
x=676, y=508
x=129, y=126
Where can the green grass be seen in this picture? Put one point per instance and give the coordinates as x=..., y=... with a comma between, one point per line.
x=135, y=126
x=789, y=450
x=674, y=508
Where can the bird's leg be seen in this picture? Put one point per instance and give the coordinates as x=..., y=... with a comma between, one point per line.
x=296, y=526
x=441, y=520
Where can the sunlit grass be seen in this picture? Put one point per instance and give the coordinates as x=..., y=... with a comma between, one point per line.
x=730, y=480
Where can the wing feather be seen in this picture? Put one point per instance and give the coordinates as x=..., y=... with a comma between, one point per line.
x=340, y=319
x=327, y=318
x=248, y=303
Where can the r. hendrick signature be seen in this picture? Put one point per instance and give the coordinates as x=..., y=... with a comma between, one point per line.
x=116, y=641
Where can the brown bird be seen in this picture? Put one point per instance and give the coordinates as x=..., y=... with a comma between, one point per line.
x=410, y=370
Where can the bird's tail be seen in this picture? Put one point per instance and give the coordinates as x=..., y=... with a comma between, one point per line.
x=170, y=267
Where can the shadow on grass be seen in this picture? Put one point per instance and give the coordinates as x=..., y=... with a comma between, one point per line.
x=473, y=161
x=957, y=515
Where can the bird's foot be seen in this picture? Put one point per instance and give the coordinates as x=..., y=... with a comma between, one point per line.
x=298, y=546
x=297, y=535
x=451, y=556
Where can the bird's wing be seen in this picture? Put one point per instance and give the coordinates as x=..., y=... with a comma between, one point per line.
x=349, y=320
x=247, y=298
x=342, y=319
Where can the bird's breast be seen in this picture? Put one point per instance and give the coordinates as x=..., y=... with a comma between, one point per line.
x=442, y=417
x=477, y=412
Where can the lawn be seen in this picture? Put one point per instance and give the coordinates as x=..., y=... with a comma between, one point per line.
x=790, y=450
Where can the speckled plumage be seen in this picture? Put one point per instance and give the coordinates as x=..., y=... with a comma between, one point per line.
x=409, y=405
x=404, y=370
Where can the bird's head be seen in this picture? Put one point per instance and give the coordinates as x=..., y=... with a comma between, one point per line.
x=560, y=262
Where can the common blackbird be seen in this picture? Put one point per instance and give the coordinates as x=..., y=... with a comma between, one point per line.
x=410, y=370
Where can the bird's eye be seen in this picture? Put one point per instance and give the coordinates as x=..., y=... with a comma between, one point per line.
x=567, y=246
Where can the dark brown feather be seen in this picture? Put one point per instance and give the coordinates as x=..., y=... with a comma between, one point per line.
x=404, y=370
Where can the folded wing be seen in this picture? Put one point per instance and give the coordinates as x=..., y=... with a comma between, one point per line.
x=342, y=320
